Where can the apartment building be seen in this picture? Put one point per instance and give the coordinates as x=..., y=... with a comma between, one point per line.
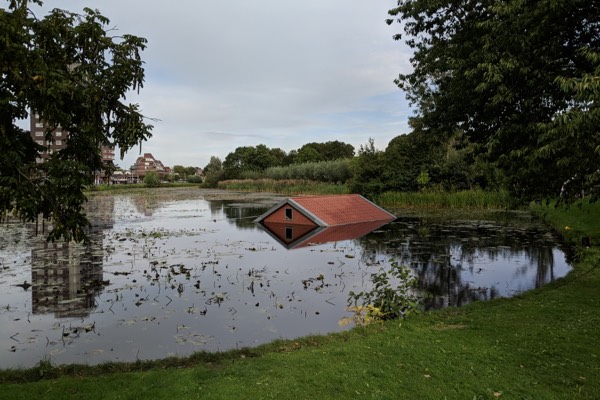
x=147, y=163
x=38, y=134
x=38, y=128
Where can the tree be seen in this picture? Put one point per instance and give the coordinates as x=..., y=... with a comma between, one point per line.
x=367, y=171
x=190, y=171
x=337, y=150
x=251, y=158
x=238, y=161
x=308, y=154
x=213, y=171
x=329, y=151
x=74, y=74
x=179, y=170
x=152, y=180
x=521, y=80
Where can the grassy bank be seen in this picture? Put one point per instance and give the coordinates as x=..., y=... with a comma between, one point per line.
x=578, y=223
x=540, y=345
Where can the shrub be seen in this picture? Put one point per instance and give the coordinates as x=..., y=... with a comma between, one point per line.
x=194, y=179
x=392, y=295
x=152, y=180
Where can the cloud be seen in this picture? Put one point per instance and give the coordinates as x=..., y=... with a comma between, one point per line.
x=225, y=74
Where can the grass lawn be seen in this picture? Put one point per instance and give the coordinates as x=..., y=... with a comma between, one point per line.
x=544, y=344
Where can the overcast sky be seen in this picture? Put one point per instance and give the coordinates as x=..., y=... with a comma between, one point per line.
x=223, y=74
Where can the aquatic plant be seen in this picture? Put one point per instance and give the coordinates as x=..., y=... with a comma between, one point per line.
x=391, y=297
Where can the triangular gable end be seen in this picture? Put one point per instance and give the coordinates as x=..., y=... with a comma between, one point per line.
x=290, y=212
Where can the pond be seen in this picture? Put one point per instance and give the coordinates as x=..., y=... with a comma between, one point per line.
x=172, y=272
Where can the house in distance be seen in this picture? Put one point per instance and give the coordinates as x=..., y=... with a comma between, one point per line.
x=309, y=220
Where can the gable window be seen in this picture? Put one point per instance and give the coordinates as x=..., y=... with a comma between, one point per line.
x=289, y=233
x=288, y=213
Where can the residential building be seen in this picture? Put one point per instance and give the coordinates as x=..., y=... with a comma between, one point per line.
x=38, y=134
x=58, y=141
x=147, y=163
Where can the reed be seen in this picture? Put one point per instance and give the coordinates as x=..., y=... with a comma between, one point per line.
x=468, y=199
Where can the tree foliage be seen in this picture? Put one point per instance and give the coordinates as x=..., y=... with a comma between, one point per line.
x=152, y=180
x=328, y=151
x=184, y=172
x=72, y=71
x=367, y=171
x=520, y=79
x=253, y=160
x=213, y=172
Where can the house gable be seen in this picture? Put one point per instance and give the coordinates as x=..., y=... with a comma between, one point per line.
x=287, y=213
x=289, y=234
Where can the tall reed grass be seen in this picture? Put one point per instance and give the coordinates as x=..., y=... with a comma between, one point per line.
x=285, y=186
x=468, y=199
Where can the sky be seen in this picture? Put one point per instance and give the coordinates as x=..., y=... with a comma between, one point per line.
x=225, y=74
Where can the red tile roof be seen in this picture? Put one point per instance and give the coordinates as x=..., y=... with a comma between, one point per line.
x=341, y=209
x=331, y=210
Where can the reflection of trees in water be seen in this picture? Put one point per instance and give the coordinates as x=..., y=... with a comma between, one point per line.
x=148, y=201
x=240, y=214
x=66, y=277
x=438, y=254
x=147, y=204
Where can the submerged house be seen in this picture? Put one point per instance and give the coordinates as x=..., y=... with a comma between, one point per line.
x=308, y=220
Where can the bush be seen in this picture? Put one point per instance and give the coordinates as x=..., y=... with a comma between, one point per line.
x=212, y=178
x=152, y=180
x=194, y=179
x=391, y=297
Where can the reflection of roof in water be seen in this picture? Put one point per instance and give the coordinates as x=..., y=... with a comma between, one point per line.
x=297, y=236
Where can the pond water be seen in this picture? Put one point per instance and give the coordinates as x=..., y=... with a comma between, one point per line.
x=174, y=272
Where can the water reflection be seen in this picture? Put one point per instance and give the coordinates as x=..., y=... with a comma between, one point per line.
x=295, y=236
x=192, y=274
x=457, y=262
x=66, y=277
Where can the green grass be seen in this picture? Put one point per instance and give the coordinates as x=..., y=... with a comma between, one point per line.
x=575, y=222
x=468, y=199
x=543, y=344
x=286, y=186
